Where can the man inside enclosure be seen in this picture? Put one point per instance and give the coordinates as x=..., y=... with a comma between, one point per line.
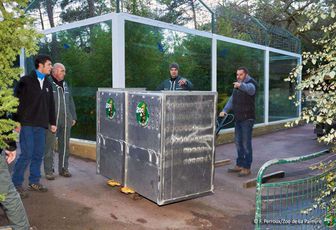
x=65, y=118
x=175, y=82
x=242, y=103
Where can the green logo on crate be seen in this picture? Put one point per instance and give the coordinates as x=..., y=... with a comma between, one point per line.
x=142, y=115
x=110, y=108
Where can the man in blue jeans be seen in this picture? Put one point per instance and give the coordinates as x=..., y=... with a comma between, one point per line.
x=242, y=103
x=36, y=113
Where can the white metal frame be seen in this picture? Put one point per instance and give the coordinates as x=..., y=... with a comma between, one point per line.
x=266, y=86
x=118, y=50
x=214, y=66
x=85, y=22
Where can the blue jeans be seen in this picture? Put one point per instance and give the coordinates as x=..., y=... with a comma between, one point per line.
x=32, y=143
x=243, y=141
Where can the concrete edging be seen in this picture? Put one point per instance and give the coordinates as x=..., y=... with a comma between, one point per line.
x=87, y=150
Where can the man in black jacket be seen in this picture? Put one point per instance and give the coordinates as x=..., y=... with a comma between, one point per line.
x=175, y=82
x=36, y=113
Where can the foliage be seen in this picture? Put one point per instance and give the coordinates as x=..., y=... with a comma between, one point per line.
x=16, y=32
x=320, y=81
x=320, y=85
x=2, y=197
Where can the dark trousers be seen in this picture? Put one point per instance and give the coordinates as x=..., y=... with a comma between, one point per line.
x=63, y=147
x=32, y=143
x=11, y=203
x=243, y=141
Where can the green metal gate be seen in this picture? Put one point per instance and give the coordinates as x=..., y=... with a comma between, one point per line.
x=280, y=205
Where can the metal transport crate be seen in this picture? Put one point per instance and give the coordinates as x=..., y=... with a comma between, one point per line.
x=170, y=144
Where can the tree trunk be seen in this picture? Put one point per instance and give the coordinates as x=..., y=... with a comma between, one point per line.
x=50, y=12
x=91, y=8
x=41, y=17
x=194, y=13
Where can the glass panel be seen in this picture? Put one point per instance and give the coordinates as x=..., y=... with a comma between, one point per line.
x=86, y=53
x=229, y=58
x=149, y=51
x=280, y=107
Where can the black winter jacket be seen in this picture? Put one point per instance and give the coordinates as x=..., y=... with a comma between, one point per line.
x=36, y=105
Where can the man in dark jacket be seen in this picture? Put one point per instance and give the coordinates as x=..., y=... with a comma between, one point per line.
x=36, y=112
x=242, y=103
x=10, y=200
x=65, y=118
x=175, y=82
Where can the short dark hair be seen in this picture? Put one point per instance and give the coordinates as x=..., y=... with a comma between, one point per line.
x=244, y=69
x=41, y=58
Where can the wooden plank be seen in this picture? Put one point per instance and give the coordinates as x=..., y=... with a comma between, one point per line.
x=253, y=182
x=222, y=162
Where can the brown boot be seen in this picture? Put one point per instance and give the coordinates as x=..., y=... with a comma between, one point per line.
x=22, y=192
x=50, y=176
x=236, y=169
x=244, y=172
x=65, y=173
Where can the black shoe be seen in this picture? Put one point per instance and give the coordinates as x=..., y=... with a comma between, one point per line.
x=22, y=192
x=50, y=176
x=37, y=188
x=65, y=173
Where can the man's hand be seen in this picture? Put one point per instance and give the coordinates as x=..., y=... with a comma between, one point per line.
x=10, y=156
x=53, y=128
x=236, y=85
x=17, y=128
x=73, y=122
x=182, y=82
x=222, y=114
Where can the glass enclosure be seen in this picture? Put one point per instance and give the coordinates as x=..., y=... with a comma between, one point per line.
x=229, y=58
x=145, y=48
x=86, y=53
x=150, y=50
x=280, y=107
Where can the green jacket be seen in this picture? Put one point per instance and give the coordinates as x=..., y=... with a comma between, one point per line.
x=64, y=104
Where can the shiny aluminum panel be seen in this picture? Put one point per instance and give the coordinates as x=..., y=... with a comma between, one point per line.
x=143, y=145
x=188, y=146
x=111, y=133
x=171, y=158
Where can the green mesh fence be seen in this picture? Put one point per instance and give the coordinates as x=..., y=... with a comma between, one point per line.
x=282, y=205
